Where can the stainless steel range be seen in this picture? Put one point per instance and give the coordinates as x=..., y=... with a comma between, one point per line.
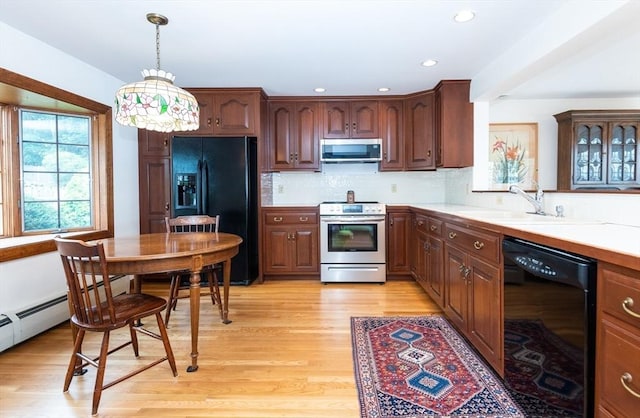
x=352, y=242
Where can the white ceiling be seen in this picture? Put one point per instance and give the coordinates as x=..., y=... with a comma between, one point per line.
x=520, y=48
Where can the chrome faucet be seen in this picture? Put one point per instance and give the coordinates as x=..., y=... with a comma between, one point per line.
x=535, y=201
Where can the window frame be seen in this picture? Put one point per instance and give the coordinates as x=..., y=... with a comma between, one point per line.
x=19, y=91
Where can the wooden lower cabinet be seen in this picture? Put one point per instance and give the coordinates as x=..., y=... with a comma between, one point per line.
x=290, y=241
x=427, y=256
x=398, y=242
x=618, y=342
x=473, y=289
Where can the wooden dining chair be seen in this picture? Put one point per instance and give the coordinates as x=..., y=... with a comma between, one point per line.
x=96, y=310
x=180, y=281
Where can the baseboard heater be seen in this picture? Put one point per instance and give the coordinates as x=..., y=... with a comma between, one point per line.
x=18, y=326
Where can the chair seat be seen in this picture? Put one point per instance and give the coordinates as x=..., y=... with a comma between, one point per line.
x=129, y=307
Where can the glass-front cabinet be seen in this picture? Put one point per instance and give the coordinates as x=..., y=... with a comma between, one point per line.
x=598, y=149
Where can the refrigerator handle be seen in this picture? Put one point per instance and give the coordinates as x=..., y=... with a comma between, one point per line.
x=205, y=188
x=199, y=189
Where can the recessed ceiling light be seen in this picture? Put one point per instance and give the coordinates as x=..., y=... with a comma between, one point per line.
x=429, y=63
x=464, y=16
x=383, y=89
x=319, y=89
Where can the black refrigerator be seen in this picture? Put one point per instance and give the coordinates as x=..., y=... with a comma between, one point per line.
x=219, y=176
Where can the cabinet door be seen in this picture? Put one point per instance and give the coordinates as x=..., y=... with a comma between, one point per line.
x=453, y=124
x=306, y=138
x=434, y=270
x=336, y=120
x=155, y=193
x=419, y=132
x=236, y=113
x=277, y=250
x=364, y=119
x=623, y=153
x=398, y=242
x=421, y=252
x=205, y=101
x=391, y=132
x=589, y=153
x=153, y=144
x=484, y=321
x=281, y=132
x=305, y=249
x=456, y=295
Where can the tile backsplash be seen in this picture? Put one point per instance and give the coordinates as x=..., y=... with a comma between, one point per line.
x=369, y=184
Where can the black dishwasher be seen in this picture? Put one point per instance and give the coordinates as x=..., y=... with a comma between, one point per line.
x=549, y=329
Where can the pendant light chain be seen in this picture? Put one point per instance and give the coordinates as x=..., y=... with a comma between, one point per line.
x=157, y=46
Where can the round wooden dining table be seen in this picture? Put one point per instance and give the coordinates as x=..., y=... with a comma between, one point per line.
x=167, y=252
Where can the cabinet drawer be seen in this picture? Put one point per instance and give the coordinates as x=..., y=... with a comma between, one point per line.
x=422, y=223
x=435, y=227
x=280, y=218
x=617, y=363
x=620, y=296
x=473, y=241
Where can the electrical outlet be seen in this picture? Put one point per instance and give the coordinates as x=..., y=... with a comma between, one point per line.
x=394, y=188
x=280, y=188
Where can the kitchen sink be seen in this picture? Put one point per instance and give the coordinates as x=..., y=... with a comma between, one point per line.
x=517, y=218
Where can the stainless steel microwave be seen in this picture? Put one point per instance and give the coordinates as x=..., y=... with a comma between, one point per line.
x=351, y=150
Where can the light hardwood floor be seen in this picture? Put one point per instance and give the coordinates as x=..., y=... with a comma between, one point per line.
x=287, y=353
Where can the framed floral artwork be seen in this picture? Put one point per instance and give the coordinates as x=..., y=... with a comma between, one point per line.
x=513, y=155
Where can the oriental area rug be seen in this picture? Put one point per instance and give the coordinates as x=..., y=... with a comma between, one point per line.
x=543, y=373
x=421, y=367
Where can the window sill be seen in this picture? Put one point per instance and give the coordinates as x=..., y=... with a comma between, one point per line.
x=21, y=247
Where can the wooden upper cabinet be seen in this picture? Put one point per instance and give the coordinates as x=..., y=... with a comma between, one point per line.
x=598, y=149
x=350, y=119
x=227, y=113
x=391, y=132
x=453, y=124
x=153, y=144
x=293, y=136
x=419, y=132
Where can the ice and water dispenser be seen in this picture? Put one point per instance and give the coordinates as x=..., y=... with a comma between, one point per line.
x=186, y=196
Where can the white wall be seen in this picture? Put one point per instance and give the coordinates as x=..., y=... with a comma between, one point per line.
x=39, y=278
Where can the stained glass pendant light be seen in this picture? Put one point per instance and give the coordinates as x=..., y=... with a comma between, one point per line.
x=155, y=103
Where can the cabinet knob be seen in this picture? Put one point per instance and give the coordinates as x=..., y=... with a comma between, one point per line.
x=625, y=379
x=296, y=156
x=433, y=227
x=452, y=235
x=478, y=245
x=354, y=126
x=277, y=219
x=291, y=156
x=304, y=218
x=627, y=303
x=429, y=153
x=420, y=223
x=208, y=121
x=166, y=207
x=218, y=121
x=391, y=222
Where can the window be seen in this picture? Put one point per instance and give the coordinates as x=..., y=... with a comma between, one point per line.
x=55, y=167
x=56, y=171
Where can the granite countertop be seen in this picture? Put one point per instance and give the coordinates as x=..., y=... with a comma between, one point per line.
x=601, y=240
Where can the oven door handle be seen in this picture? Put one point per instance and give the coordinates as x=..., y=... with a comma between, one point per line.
x=353, y=219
